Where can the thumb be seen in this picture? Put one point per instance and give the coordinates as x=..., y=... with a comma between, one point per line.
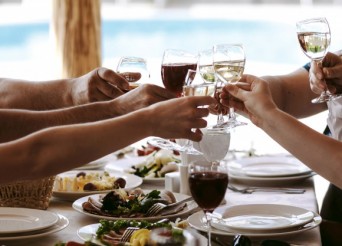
x=236, y=91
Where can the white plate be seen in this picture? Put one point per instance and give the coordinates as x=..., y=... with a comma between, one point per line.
x=87, y=232
x=18, y=220
x=125, y=165
x=236, y=172
x=62, y=223
x=278, y=181
x=191, y=206
x=132, y=181
x=269, y=166
x=260, y=217
x=197, y=221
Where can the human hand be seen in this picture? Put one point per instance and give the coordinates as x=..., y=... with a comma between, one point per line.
x=251, y=96
x=101, y=84
x=328, y=75
x=176, y=117
x=141, y=97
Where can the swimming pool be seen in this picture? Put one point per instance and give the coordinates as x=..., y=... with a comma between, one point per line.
x=264, y=41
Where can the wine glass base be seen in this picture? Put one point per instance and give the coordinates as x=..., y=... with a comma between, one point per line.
x=169, y=145
x=229, y=125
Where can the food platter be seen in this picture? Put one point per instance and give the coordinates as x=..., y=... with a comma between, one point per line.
x=88, y=232
x=191, y=206
x=132, y=181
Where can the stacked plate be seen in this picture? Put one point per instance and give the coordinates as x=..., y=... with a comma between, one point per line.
x=258, y=220
x=272, y=170
x=25, y=223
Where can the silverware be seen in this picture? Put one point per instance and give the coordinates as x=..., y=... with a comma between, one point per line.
x=162, y=209
x=250, y=190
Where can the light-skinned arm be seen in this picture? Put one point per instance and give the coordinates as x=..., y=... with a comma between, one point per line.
x=57, y=149
x=16, y=123
x=292, y=94
x=101, y=84
x=321, y=153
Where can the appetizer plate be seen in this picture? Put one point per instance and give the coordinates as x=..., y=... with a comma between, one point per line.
x=62, y=223
x=191, y=206
x=125, y=165
x=269, y=166
x=198, y=221
x=18, y=220
x=88, y=232
x=260, y=217
x=132, y=181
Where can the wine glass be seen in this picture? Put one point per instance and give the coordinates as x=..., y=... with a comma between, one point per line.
x=206, y=69
x=314, y=39
x=134, y=69
x=208, y=183
x=229, y=63
x=193, y=87
x=174, y=68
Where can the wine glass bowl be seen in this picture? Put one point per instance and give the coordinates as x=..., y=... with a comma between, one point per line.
x=229, y=63
x=174, y=68
x=134, y=69
x=314, y=37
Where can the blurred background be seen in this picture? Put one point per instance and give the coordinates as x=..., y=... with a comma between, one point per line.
x=145, y=28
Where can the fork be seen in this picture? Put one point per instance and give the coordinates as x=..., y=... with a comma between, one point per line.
x=128, y=233
x=162, y=209
x=250, y=190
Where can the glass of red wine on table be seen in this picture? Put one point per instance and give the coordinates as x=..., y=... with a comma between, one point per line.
x=208, y=182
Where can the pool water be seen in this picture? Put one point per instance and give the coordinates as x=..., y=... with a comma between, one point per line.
x=264, y=41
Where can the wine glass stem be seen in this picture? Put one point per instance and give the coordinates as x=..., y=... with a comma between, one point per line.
x=208, y=219
x=231, y=114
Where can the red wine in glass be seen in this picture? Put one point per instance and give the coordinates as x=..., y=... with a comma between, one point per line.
x=208, y=188
x=173, y=75
x=208, y=184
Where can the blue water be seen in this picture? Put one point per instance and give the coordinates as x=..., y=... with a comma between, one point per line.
x=264, y=41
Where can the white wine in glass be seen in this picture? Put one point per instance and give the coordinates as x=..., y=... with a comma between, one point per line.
x=229, y=63
x=314, y=38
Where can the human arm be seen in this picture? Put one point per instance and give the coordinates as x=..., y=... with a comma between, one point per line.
x=98, y=85
x=16, y=123
x=328, y=75
x=321, y=153
x=292, y=94
x=54, y=150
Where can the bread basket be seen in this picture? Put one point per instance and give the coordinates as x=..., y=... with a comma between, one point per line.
x=27, y=194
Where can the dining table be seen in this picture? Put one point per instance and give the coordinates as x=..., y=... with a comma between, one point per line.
x=77, y=220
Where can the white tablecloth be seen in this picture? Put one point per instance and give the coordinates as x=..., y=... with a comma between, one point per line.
x=78, y=220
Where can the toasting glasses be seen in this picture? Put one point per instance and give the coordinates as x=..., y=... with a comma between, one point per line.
x=193, y=87
x=229, y=64
x=314, y=39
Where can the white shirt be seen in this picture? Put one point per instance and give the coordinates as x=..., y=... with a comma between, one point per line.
x=335, y=118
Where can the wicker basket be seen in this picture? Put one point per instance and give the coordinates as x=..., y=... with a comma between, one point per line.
x=27, y=194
